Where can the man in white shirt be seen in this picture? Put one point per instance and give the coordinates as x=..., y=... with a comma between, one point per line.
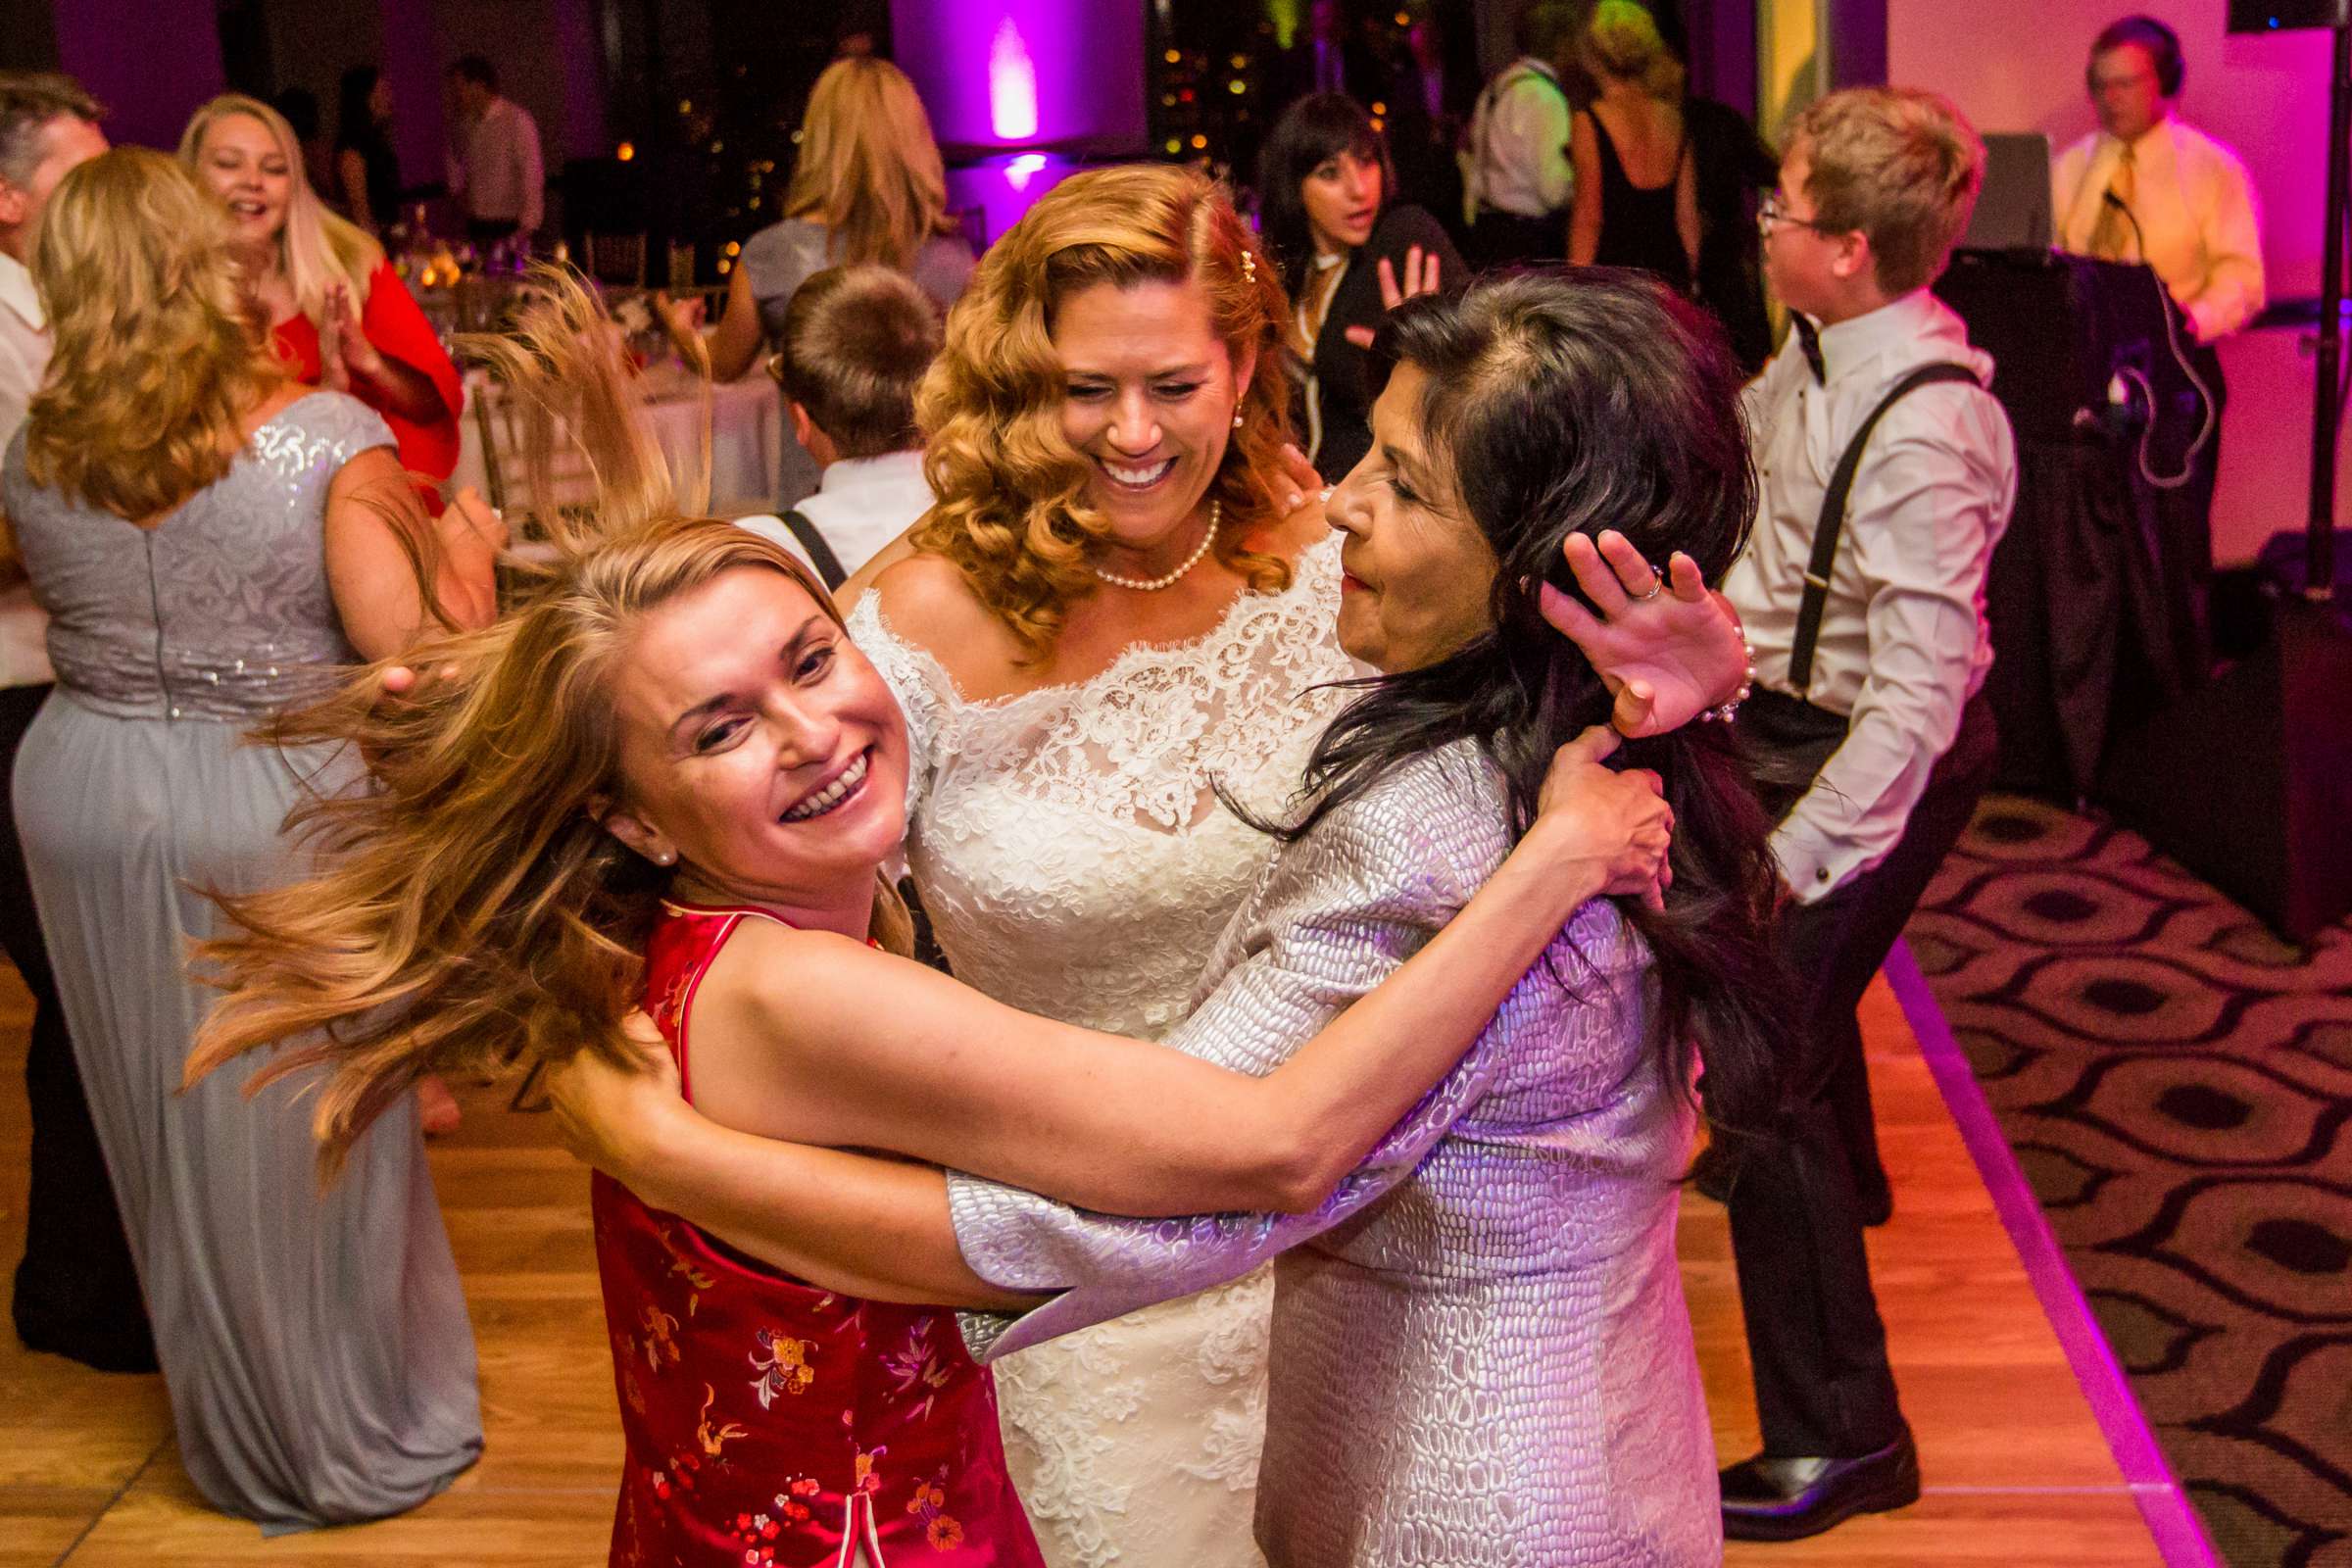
x=856, y=341
x=1519, y=179
x=1871, y=648
x=494, y=163
x=76, y=1291
x=2148, y=187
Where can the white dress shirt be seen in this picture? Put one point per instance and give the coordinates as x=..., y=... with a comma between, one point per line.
x=2195, y=207
x=1903, y=642
x=1519, y=131
x=861, y=504
x=24, y=361
x=496, y=166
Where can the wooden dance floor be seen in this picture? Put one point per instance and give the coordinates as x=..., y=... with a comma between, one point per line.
x=2018, y=1471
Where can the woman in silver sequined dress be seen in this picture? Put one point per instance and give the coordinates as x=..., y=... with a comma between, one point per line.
x=203, y=535
x=1481, y=1353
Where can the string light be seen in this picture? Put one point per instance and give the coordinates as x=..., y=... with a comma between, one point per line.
x=626, y=151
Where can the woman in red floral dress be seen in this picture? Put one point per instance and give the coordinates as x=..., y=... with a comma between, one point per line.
x=770, y=1423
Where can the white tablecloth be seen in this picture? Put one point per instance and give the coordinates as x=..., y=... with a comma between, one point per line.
x=747, y=436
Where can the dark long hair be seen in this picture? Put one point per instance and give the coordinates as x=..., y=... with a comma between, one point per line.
x=1569, y=400
x=356, y=124
x=1314, y=129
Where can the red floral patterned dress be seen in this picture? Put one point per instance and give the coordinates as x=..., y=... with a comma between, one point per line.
x=768, y=1422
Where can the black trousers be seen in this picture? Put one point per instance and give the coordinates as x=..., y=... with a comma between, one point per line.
x=1823, y=1384
x=77, y=1291
x=2184, y=523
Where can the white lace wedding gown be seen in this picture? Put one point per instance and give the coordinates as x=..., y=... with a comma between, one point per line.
x=1076, y=865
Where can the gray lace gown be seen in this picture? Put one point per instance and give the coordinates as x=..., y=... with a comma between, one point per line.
x=316, y=1347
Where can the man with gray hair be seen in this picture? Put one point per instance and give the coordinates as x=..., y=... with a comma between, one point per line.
x=76, y=1291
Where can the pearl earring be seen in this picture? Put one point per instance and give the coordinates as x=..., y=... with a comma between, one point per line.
x=1237, y=419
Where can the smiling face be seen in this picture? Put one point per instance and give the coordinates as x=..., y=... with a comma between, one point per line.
x=759, y=748
x=1419, y=574
x=1149, y=401
x=1342, y=197
x=251, y=173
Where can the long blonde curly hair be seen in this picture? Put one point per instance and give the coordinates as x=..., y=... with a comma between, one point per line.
x=316, y=248
x=1011, y=510
x=869, y=169
x=156, y=355
x=469, y=910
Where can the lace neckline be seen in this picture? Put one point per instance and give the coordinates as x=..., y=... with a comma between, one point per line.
x=1308, y=565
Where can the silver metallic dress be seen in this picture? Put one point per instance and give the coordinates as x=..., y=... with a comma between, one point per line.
x=1481, y=1353
x=315, y=1344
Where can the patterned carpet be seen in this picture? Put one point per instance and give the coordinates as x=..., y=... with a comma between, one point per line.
x=2176, y=1082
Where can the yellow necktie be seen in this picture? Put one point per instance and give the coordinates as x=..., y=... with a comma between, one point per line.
x=2113, y=239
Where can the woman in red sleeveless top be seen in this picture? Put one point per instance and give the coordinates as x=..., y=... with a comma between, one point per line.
x=768, y=1422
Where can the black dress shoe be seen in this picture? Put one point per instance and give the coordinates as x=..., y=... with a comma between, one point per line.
x=1773, y=1498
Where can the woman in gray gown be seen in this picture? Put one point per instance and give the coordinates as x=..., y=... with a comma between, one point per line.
x=204, y=534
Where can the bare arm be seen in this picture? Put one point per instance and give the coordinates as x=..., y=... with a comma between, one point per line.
x=374, y=522
x=1685, y=205
x=351, y=172
x=737, y=341
x=791, y=1042
x=1584, y=211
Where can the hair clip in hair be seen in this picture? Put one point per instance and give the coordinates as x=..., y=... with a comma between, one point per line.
x=1249, y=263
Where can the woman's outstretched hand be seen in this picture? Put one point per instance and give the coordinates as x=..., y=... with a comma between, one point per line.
x=1420, y=277
x=1616, y=821
x=602, y=1112
x=1667, y=648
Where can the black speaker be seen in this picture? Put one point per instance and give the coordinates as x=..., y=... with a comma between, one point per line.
x=2247, y=781
x=2278, y=16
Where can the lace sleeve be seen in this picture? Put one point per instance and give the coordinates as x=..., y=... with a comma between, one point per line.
x=918, y=683
x=1340, y=913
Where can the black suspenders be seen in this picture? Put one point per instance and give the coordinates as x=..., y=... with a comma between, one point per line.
x=1831, y=525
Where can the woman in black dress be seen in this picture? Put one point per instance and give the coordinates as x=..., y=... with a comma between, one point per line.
x=1636, y=183
x=366, y=168
x=1348, y=251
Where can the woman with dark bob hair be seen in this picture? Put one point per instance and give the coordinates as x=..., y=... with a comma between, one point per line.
x=1508, y=1249
x=1328, y=208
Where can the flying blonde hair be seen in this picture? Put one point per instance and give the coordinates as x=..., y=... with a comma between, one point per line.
x=869, y=169
x=1011, y=508
x=470, y=911
x=1621, y=40
x=156, y=355
x=316, y=248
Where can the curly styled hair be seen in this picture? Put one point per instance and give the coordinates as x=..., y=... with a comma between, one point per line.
x=1011, y=509
x=157, y=355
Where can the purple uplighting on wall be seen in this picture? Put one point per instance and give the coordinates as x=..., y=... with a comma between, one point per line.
x=1004, y=76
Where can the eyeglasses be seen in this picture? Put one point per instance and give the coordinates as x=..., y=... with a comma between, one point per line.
x=1772, y=215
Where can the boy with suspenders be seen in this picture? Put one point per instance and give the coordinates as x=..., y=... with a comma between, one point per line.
x=1886, y=473
x=856, y=341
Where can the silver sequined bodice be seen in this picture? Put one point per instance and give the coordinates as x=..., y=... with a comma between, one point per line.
x=1481, y=1352
x=220, y=611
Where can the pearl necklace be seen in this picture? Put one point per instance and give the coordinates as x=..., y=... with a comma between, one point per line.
x=1152, y=585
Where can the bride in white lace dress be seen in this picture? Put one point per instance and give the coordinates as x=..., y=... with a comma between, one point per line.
x=1108, y=618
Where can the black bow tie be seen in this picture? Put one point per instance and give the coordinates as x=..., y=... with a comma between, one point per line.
x=1808, y=338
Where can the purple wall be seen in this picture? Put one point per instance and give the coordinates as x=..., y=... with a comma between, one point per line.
x=150, y=61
